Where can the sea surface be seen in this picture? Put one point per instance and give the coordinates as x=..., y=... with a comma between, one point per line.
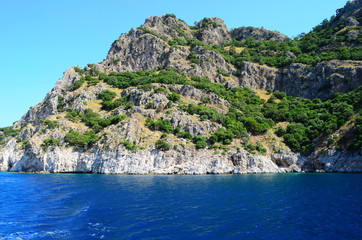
x=265, y=206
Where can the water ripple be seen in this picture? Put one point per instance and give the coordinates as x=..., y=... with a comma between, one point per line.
x=270, y=206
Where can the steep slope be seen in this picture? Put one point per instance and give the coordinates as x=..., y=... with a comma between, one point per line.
x=170, y=99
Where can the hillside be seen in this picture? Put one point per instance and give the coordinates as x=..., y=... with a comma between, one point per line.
x=176, y=99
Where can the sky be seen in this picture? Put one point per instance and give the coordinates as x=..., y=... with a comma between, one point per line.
x=40, y=39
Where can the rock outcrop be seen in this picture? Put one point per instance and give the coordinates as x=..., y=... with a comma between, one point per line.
x=349, y=14
x=259, y=34
x=122, y=161
x=321, y=81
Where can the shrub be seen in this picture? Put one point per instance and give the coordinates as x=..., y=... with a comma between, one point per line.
x=10, y=131
x=51, y=124
x=118, y=118
x=160, y=90
x=237, y=128
x=81, y=140
x=170, y=15
x=254, y=126
x=76, y=84
x=164, y=38
x=73, y=115
x=192, y=57
x=93, y=120
x=26, y=145
x=160, y=125
x=7, y=132
x=204, y=112
x=279, y=95
x=110, y=105
x=78, y=70
x=223, y=72
x=61, y=104
x=129, y=146
x=150, y=105
x=356, y=142
x=106, y=95
x=200, y=141
x=280, y=131
x=174, y=97
x=255, y=148
x=222, y=135
x=178, y=41
x=163, y=135
x=50, y=142
x=185, y=135
x=162, y=145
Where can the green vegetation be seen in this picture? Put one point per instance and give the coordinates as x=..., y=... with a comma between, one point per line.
x=7, y=132
x=258, y=148
x=109, y=104
x=185, y=135
x=193, y=58
x=26, y=145
x=162, y=145
x=81, y=140
x=170, y=15
x=312, y=119
x=107, y=95
x=50, y=142
x=164, y=38
x=77, y=84
x=223, y=136
x=206, y=22
x=93, y=120
x=174, y=97
x=160, y=125
x=356, y=139
x=79, y=70
x=177, y=41
x=247, y=115
x=50, y=124
x=129, y=146
x=276, y=54
x=200, y=141
x=61, y=104
x=323, y=43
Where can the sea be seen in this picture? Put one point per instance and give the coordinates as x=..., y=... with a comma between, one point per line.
x=261, y=206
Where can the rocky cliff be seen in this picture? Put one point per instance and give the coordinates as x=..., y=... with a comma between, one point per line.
x=176, y=99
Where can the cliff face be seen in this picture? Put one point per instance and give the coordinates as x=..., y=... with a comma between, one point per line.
x=131, y=144
x=121, y=161
x=260, y=34
x=320, y=81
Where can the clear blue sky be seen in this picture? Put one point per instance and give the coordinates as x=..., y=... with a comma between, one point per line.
x=40, y=39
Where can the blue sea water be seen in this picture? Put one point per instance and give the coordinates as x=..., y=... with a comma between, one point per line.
x=267, y=206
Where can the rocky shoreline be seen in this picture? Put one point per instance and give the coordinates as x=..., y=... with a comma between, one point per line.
x=121, y=161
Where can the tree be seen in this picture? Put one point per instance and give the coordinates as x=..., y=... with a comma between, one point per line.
x=200, y=141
